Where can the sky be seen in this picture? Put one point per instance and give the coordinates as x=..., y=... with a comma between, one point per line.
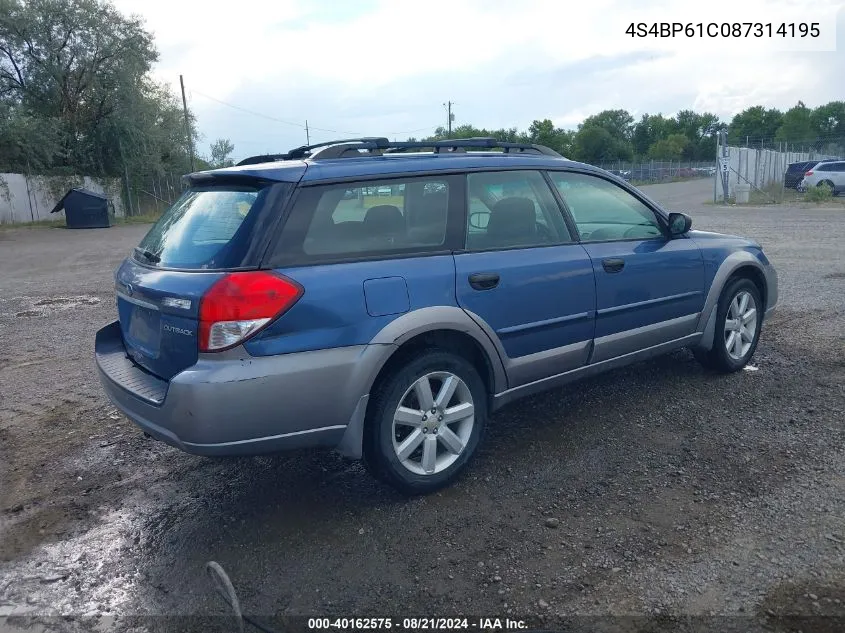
x=256, y=70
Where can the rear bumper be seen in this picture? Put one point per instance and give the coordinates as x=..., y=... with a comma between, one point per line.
x=233, y=403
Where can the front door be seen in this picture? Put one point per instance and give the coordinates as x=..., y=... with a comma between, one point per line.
x=649, y=288
x=523, y=273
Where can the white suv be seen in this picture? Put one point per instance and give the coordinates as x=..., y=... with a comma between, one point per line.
x=827, y=173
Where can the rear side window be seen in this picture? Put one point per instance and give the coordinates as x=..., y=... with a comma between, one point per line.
x=207, y=228
x=830, y=167
x=365, y=219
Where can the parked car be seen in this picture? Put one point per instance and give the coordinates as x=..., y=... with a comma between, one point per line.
x=795, y=173
x=393, y=335
x=621, y=173
x=827, y=173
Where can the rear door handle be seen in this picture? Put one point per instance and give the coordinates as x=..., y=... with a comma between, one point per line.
x=484, y=281
x=613, y=265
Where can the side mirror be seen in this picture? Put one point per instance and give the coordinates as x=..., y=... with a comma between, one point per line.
x=679, y=223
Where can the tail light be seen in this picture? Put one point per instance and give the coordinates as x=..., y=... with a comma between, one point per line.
x=241, y=304
x=809, y=173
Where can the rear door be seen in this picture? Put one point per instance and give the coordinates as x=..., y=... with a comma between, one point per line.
x=837, y=175
x=365, y=252
x=210, y=229
x=649, y=288
x=523, y=273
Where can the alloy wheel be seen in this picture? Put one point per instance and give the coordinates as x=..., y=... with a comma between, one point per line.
x=433, y=423
x=740, y=325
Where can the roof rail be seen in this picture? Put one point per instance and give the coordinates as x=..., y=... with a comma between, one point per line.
x=454, y=145
x=377, y=145
x=305, y=151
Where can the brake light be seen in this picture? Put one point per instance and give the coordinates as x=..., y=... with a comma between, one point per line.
x=241, y=304
x=809, y=173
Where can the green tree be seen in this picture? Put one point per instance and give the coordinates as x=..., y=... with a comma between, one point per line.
x=545, y=133
x=618, y=123
x=796, y=125
x=74, y=79
x=221, y=151
x=672, y=147
x=595, y=144
x=754, y=124
x=829, y=120
x=700, y=129
x=648, y=130
x=619, y=126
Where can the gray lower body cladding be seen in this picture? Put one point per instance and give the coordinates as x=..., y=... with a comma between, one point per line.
x=236, y=404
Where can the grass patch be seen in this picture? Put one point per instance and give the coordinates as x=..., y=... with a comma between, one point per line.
x=59, y=223
x=661, y=181
x=775, y=194
x=822, y=193
x=146, y=218
x=40, y=224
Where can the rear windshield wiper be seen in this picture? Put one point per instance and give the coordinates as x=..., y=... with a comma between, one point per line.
x=148, y=255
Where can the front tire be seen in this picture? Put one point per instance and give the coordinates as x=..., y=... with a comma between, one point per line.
x=739, y=319
x=425, y=422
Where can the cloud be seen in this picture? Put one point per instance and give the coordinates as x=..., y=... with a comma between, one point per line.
x=385, y=67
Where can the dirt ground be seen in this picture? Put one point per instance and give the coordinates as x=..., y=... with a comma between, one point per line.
x=646, y=499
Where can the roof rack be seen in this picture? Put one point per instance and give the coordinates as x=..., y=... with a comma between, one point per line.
x=372, y=143
x=481, y=142
x=375, y=146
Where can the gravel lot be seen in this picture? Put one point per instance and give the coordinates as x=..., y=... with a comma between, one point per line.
x=626, y=502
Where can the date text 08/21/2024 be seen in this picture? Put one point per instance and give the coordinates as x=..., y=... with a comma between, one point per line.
x=725, y=29
x=417, y=624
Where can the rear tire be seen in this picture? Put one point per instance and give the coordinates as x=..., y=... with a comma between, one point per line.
x=419, y=439
x=739, y=319
x=829, y=185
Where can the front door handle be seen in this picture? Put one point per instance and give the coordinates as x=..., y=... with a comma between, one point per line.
x=484, y=281
x=613, y=264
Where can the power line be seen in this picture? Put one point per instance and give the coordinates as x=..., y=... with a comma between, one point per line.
x=299, y=125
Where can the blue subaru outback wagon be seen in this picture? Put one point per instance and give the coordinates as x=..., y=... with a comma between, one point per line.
x=383, y=298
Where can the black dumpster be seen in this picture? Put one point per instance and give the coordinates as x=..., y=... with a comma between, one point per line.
x=84, y=209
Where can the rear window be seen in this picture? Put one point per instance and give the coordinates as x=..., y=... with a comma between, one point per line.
x=802, y=167
x=207, y=228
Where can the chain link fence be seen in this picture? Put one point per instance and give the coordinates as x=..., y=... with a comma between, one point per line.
x=149, y=195
x=651, y=171
x=770, y=171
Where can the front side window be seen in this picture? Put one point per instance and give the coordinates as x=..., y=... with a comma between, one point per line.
x=367, y=218
x=511, y=209
x=604, y=211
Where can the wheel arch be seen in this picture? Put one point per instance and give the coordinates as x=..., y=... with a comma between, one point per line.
x=738, y=265
x=446, y=327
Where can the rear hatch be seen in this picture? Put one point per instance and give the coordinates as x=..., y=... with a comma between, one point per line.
x=210, y=231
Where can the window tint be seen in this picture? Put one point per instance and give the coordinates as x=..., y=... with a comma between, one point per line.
x=603, y=210
x=201, y=229
x=512, y=209
x=368, y=218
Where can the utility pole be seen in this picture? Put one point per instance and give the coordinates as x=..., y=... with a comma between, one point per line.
x=125, y=177
x=449, y=117
x=307, y=134
x=723, y=135
x=187, y=123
